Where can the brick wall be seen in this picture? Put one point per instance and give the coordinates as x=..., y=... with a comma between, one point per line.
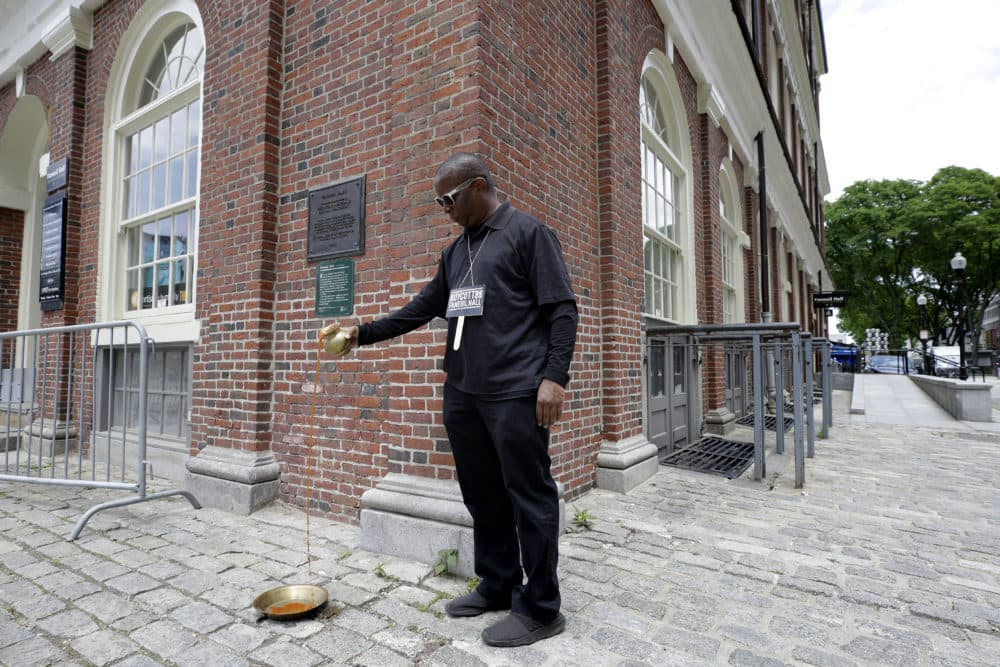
x=385, y=90
x=237, y=243
x=11, y=231
x=61, y=86
x=538, y=119
x=300, y=95
x=626, y=32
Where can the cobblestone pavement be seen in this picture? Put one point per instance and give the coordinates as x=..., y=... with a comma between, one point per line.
x=890, y=555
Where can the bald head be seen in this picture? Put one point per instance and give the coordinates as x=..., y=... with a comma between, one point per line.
x=463, y=166
x=465, y=182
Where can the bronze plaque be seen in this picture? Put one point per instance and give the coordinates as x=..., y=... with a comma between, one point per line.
x=337, y=220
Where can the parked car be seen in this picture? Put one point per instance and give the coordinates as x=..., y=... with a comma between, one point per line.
x=888, y=363
x=946, y=360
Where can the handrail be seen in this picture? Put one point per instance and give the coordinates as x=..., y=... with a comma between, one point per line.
x=935, y=359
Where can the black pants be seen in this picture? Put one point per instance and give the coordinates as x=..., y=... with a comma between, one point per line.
x=502, y=459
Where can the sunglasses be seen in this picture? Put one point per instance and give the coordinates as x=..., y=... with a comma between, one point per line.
x=448, y=198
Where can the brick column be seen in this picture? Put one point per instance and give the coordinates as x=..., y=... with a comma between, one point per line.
x=626, y=32
x=59, y=81
x=232, y=367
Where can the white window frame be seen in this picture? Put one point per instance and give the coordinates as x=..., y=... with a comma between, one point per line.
x=731, y=229
x=674, y=151
x=138, y=47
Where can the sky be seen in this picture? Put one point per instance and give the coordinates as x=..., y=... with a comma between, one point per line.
x=913, y=86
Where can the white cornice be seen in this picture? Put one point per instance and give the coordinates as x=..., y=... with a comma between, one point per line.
x=73, y=28
x=30, y=28
x=710, y=103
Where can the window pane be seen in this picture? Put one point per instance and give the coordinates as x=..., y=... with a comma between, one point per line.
x=176, y=180
x=679, y=358
x=142, y=193
x=154, y=413
x=147, y=288
x=192, y=173
x=180, y=281
x=173, y=416
x=178, y=129
x=148, y=241
x=146, y=147
x=174, y=374
x=132, y=254
x=181, y=230
x=657, y=363
x=162, y=285
x=194, y=124
x=133, y=411
x=132, y=290
x=163, y=238
x=161, y=139
x=155, y=373
x=160, y=185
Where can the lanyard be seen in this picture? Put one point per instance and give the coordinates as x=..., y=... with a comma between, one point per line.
x=472, y=260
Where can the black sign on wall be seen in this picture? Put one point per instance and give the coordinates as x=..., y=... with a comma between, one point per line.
x=51, y=275
x=836, y=299
x=337, y=220
x=55, y=174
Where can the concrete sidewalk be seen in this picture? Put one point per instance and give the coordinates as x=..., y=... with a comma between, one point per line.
x=896, y=399
x=890, y=555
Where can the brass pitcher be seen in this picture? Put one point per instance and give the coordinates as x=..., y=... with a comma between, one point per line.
x=335, y=340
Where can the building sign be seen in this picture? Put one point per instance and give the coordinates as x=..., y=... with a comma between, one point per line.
x=335, y=288
x=55, y=175
x=835, y=299
x=51, y=278
x=337, y=220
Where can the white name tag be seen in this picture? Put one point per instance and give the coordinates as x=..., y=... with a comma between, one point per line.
x=466, y=302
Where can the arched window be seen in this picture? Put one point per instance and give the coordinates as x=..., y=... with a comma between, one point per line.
x=664, y=197
x=733, y=242
x=149, y=229
x=161, y=141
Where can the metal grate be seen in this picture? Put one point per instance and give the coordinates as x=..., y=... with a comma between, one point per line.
x=770, y=422
x=728, y=458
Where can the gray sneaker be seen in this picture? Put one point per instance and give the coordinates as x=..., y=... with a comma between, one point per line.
x=517, y=630
x=474, y=604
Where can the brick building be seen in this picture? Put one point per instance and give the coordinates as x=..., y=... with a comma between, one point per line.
x=653, y=136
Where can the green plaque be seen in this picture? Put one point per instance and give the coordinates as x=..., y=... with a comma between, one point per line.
x=335, y=288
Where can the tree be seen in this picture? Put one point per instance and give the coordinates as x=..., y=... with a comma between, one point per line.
x=960, y=212
x=870, y=253
x=888, y=241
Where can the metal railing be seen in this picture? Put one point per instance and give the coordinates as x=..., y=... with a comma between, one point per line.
x=769, y=345
x=899, y=361
x=69, y=392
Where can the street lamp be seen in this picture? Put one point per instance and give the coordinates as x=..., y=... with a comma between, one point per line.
x=924, y=334
x=958, y=265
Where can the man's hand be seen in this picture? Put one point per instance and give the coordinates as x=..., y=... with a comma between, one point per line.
x=351, y=333
x=548, y=409
x=331, y=329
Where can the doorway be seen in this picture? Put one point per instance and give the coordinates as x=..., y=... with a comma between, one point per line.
x=736, y=381
x=668, y=383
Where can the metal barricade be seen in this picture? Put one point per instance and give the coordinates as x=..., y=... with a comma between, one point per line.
x=68, y=393
x=769, y=343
